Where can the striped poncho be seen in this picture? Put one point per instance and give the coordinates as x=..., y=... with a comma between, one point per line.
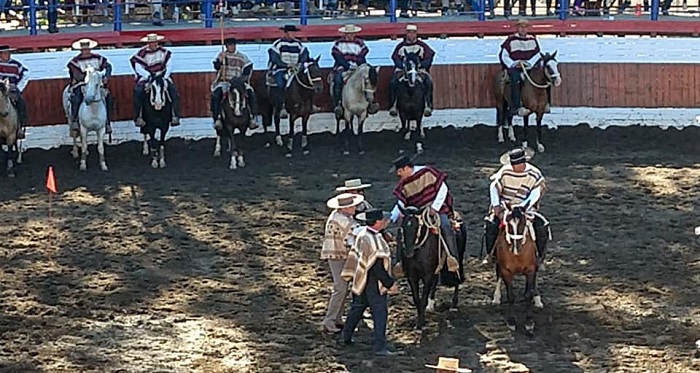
x=514, y=187
x=421, y=189
x=369, y=247
x=338, y=237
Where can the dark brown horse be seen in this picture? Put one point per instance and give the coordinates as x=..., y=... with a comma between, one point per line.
x=298, y=100
x=236, y=116
x=536, y=81
x=422, y=261
x=516, y=254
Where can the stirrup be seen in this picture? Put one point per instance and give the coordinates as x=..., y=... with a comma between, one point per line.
x=393, y=111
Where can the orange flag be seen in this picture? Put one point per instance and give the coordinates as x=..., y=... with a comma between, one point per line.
x=51, y=181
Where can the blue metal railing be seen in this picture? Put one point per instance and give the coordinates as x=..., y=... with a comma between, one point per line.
x=480, y=8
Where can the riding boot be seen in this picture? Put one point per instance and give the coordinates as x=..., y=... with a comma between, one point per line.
x=541, y=236
x=175, y=97
x=490, y=236
x=393, y=86
x=337, y=97
x=253, y=103
x=110, y=110
x=139, y=96
x=215, y=106
x=448, y=234
x=22, y=115
x=548, y=106
x=428, y=111
x=75, y=100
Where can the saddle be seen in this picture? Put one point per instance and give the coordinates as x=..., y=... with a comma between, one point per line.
x=270, y=77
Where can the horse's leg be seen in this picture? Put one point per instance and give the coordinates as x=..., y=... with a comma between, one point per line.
x=347, y=132
x=145, y=144
x=305, y=133
x=161, y=146
x=526, y=129
x=419, y=130
x=529, y=294
x=8, y=151
x=500, y=119
x=153, y=147
x=217, y=145
x=18, y=148
x=232, y=150
x=75, y=153
x=425, y=295
x=540, y=147
x=415, y=293
x=290, y=135
x=278, y=135
x=238, y=143
x=497, y=292
x=430, y=307
x=84, y=148
x=101, y=148
x=536, y=297
x=511, y=131
x=508, y=281
x=360, y=131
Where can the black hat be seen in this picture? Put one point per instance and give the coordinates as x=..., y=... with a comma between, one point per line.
x=372, y=216
x=230, y=41
x=6, y=48
x=288, y=28
x=517, y=156
x=402, y=161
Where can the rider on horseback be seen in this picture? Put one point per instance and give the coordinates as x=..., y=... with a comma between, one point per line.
x=411, y=44
x=422, y=186
x=285, y=54
x=18, y=76
x=517, y=183
x=231, y=64
x=349, y=52
x=153, y=59
x=76, y=68
x=520, y=49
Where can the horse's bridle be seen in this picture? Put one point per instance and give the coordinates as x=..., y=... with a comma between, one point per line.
x=163, y=93
x=309, y=78
x=547, y=74
x=517, y=239
x=426, y=222
x=412, y=71
x=240, y=100
x=368, y=91
x=98, y=94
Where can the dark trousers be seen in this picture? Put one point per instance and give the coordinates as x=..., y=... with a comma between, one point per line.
x=21, y=106
x=379, y=308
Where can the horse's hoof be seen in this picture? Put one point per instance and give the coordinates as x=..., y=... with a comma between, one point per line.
x=288, y=155
x=217, y=153
x=362, y=152
x=511, y=324
x=104, y=168
x=530, y=328
x=431, y=305
x=305, y=152
x=267, y=145
x=454, y=309
x=144, y=152
x=346, y=153
x=540, y=148
x=241, y=163
x=11, y=174
x=537, y=300
x=154, y=164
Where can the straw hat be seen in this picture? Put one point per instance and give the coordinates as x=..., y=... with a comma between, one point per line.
x=350, y=29
x=150, y=38
x=353, y=184
x=523, y=23
x=84, y=44
x=345, y=200
x=411, y=28
x=448, y=364
x=506, y=157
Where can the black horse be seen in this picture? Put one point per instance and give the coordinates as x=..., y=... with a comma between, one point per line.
x=420, y=256
x=236, y=116
x=157, y=114
x=410, y=101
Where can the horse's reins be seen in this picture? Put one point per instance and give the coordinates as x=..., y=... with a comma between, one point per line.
x=427, y=222
x=541, y=86
x=520, y=238
x=311, y=80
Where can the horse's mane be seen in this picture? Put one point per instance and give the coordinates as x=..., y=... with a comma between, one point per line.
x=373, y=75
x=238, y=83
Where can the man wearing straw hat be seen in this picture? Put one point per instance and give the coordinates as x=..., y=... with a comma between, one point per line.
x=517, y=183
x=76, y=69
x=337, y=241
x=286, y=53
x=411, y=44
x=231, y=64
x=448, y=365
x=348, y=52
x=368, y=267
x=18, y=76
x=153, y=59
x=356, y=186
x=517, y=51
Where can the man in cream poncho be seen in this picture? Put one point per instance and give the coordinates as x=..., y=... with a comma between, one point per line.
x=368, y=267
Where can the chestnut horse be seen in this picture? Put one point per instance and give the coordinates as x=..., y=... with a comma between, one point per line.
x=516, y=254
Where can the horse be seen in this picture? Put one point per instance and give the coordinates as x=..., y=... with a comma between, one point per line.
x=9, y=124
x=410, y=100
x=92, y=116
x=516, y=254
x=544, y=74
x=157, y=114
x=357, y=96
x=298, y=97
x=422, y=260
x=236, y=116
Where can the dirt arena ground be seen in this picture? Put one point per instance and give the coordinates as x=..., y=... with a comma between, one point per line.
x=196, y=268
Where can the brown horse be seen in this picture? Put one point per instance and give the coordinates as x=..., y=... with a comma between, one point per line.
x=516, y=254
x=298, y=99
x=236, y=116
x=8, y=126
x=536, y=82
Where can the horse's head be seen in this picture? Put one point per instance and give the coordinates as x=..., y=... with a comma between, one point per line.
x=416, y=227
x=237, y=96
x=5, y=103
x=370, y=78
x=93, y=85
x=551, y=68
x=310, y=74
x=517, y=227
x=158, y=91
x=411, y=64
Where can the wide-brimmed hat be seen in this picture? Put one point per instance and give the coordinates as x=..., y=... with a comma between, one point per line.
x=84, y=44
x=350, y=29
x=353, y=184
x=411, y=27
x=373, y=215
x=6, y=48
x=288, y=28
x=517, y=155
x=523, y=23
x=448, y=364
x=345, y=200
x=151, y=38
x=401, y=162
x=230, y=41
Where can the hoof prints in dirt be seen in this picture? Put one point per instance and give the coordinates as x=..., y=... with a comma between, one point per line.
x=197, y=269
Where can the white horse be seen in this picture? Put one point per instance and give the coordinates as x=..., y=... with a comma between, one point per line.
x=92, y=116
x=357, y=96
